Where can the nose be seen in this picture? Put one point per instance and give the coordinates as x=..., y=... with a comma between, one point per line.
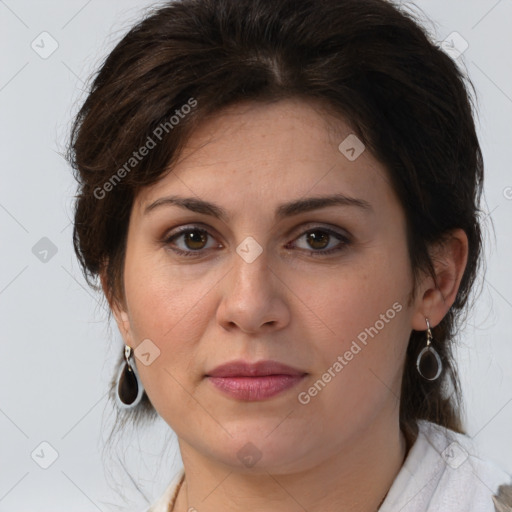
x=253, y=297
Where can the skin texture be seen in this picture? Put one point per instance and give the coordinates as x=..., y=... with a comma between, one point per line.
x=343, y=449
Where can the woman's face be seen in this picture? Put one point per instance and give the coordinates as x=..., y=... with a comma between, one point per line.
x=324, y=290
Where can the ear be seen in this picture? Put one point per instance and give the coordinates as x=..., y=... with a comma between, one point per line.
x=119, y=311
x=435, y=297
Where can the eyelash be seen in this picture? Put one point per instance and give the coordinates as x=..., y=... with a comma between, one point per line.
x=197, y=253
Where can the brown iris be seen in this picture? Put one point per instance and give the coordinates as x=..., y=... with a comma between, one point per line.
x=194, y=239
x=322, y=239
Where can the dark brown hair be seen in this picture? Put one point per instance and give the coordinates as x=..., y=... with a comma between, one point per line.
x=368, y=61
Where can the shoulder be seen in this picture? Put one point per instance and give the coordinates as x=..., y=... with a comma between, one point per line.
x=444, y=472
x=167, y=498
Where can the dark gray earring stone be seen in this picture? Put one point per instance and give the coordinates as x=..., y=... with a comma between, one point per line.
x=128, y=388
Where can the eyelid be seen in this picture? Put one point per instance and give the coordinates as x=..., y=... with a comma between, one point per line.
x=189, y=227
x=309, y=226
x=300, y=230
x=339, y=233
x=171, y=235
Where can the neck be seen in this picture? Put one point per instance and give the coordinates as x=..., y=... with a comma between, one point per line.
x=355, y=477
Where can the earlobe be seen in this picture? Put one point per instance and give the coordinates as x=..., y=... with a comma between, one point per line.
x=123, y=323
x=122, y=319
x=449, y=259
x=120, y=314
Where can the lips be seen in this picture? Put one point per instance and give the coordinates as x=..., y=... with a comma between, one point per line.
x=259, y=369
x=254, y=381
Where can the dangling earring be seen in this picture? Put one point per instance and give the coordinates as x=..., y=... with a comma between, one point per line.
x=429, y=364
x=129, y=388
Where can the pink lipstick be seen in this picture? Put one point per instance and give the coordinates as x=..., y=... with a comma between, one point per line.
x=254, y=381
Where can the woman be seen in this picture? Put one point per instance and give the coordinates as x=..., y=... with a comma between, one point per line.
x=281, y=202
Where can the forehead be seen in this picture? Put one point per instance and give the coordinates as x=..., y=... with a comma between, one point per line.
x=256, y=153
x=289, y=129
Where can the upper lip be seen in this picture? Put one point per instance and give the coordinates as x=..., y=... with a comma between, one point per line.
x=241, y=368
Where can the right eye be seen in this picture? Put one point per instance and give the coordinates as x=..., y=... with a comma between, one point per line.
x=193, y=239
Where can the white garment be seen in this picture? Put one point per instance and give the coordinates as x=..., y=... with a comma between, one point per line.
x=441, y=473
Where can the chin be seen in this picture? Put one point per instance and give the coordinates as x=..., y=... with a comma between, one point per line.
x=261, y=451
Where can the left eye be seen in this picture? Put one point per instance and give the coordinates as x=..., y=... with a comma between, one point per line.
x=320, y=238
x=194, y=240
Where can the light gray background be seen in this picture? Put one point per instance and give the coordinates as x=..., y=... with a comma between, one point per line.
x=57, y=351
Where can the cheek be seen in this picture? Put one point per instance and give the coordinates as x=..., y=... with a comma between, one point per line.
x=364, y=319
x=171, y=315
x=354, y=298
x=360, y=355
x=163, y=298
x=171, y=309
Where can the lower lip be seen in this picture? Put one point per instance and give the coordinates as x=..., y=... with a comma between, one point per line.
x=255, y=388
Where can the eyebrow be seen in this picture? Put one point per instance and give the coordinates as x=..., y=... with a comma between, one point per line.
x=282, y=211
